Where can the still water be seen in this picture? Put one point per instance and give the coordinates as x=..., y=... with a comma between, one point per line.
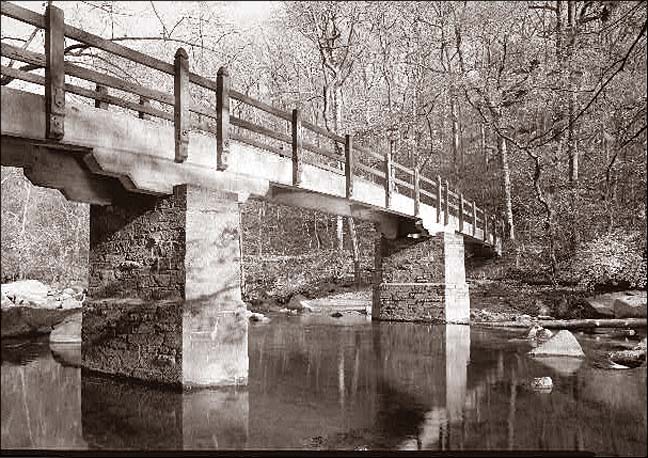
x=320, y=383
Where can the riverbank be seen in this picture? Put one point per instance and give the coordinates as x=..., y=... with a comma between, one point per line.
x=35, y=309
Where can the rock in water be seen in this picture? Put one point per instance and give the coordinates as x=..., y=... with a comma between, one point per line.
x=562, y=344
x=299, y=303
x=258, y=317
x=70, y=303
x=68, y=331
x=628, y=358
x=6, y=302
x=542, y=384
x=336, y=315
x=26, y=292
x=630, y=307
x=539, y=333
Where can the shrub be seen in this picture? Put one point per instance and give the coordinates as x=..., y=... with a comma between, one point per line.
x=613, y=260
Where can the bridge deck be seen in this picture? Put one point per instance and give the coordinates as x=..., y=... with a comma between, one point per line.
x=89, y=152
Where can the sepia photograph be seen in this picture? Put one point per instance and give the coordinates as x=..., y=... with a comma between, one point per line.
x=337, y=228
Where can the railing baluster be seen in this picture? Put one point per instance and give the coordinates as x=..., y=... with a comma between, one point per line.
x=461, y=212
x=389, y=178
x=181, y=105
x=348, y=154
x=145, y=102
x=101, y=91
x=439, y=198
x=54, y=73
x=486, y=239
x=417, y=192
x=222, y=113
x=297, y=159
x=474, y=219
x=446, y=212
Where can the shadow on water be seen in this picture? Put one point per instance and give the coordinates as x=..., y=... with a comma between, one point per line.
x=320, y=383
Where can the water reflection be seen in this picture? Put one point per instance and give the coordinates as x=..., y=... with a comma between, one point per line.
x=320, y=383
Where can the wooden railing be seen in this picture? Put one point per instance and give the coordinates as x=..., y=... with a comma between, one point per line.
x=392, y=175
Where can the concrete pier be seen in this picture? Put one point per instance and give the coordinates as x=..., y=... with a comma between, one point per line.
x=164, y=300
x=421, y=279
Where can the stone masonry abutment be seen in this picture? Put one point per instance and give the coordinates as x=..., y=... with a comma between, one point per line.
x=164, y=300
x=421, y=279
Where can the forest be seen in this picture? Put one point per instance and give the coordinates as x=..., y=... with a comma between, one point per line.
x=534, y=109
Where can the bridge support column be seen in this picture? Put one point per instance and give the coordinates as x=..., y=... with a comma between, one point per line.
x=164, y=301
x=421, y=279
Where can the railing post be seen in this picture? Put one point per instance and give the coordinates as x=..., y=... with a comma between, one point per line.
x=474, y=219
x=145, y=102
x=54, y=73
x=486, y=227
x=494, y=231
x=389, y=178
x=181, y=106
x=461, y=212
x=417, y=192
x=101, y=91
x=446, y=212
x=439, y=198
x=348, y=155
x=297, y=159
x=222, y=121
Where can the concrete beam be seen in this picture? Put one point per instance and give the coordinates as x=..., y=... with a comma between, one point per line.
x=58, y=166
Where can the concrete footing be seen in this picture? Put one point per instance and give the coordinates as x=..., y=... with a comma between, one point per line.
x=421, y=279
x=164, y=300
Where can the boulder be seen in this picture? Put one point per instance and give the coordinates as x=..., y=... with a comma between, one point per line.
x=68, y=331
x=257, y=317
x=628, y=358
x=21, y=321
x=70, y=303
x=26, y=292
x=299, y=303
x=6, y=302
x=603, y=305
x=562, y=344
x=542, y=384
x=539, y=333
x=630, y=307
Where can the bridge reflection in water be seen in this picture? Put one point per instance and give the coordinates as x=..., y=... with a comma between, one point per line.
x=320, y=383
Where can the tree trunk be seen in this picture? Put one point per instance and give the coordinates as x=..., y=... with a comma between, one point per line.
x=586, y=323
x=22, y=244
x=355, y=250
x=506, y=184
x=482, y=144
x=337, y=126
x=456, y=144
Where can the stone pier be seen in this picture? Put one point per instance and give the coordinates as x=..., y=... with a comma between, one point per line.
x=164, y=301
x=421, y=279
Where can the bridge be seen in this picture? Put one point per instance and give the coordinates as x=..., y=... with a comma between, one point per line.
x=164, y=189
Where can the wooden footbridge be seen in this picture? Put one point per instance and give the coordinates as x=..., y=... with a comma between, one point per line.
x=89, y=153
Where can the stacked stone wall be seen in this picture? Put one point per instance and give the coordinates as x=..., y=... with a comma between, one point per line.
x=420, y=280
x=137, y=247
x=165, y=290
